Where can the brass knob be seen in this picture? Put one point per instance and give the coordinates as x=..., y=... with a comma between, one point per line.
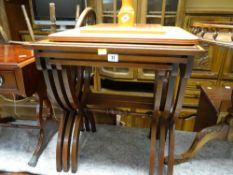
x=1, y=80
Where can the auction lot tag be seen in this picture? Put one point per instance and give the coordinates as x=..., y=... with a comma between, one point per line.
x=113, y=58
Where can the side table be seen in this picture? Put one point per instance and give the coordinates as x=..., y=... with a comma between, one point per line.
x=213, y=33
x=213, y=100
x=18, y=75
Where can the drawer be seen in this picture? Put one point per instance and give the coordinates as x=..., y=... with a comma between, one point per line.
x=7, y=81
x=146, y=74
x=116, y=73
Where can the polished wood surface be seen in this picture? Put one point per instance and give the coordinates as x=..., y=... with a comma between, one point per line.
x=161, y=35
x=14, y=54
x=66, y=68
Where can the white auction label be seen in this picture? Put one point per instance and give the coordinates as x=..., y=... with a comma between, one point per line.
x=113, y=58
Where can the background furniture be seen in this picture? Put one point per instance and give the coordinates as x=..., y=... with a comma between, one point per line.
x=16, y=64
x=213, y=102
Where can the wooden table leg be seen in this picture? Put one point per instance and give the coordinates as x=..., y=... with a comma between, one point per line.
x=160, y=76
x=61, y=134
x=67, y=142
x=75, y=143
x=48, y=128
x=162, y=140
x=152, y=146
x=218, y=132
x=171, y=147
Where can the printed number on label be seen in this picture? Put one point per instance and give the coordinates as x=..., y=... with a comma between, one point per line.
x=113, y=57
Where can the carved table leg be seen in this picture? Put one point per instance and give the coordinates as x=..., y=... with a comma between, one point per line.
x=215, y=132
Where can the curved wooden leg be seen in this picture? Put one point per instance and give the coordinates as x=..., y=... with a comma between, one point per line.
x=206, y=135
x=61, y=133
x=171, y=148
x=86, y=122
x=162, y=140
x=47, y=129
x=91, y=120
x=67, y=141
x=152, y=146
x=75, y=143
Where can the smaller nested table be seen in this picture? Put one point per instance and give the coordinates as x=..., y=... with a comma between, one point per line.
x=18, y=75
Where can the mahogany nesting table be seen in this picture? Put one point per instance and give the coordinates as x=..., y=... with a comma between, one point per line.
x=66, y=59
x=18, y=75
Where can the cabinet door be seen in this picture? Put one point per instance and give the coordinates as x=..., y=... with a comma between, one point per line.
x=158, y=11
x=228, y=66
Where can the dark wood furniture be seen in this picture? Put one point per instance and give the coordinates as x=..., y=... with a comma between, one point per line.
x=66, y=60
x=213, y=101
x=211, y=104
x=214, y=33
x=18, y=75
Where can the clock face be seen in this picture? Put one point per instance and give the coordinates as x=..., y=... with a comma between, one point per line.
x=125, y=18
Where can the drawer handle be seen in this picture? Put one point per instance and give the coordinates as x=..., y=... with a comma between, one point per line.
x=1, y=80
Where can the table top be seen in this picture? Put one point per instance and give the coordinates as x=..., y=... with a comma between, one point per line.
x=140, y=34
x=14, y=55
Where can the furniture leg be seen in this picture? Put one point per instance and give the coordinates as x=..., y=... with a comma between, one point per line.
x=152, y=146
x=162, y=140
x=67, y=141
x=91, y=119
x=171, y=147
x=212, y=133
x=47, y=129
x=61, y=134
x=75, y=143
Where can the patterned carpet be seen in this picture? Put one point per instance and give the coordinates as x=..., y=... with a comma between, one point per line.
x=112, y=150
